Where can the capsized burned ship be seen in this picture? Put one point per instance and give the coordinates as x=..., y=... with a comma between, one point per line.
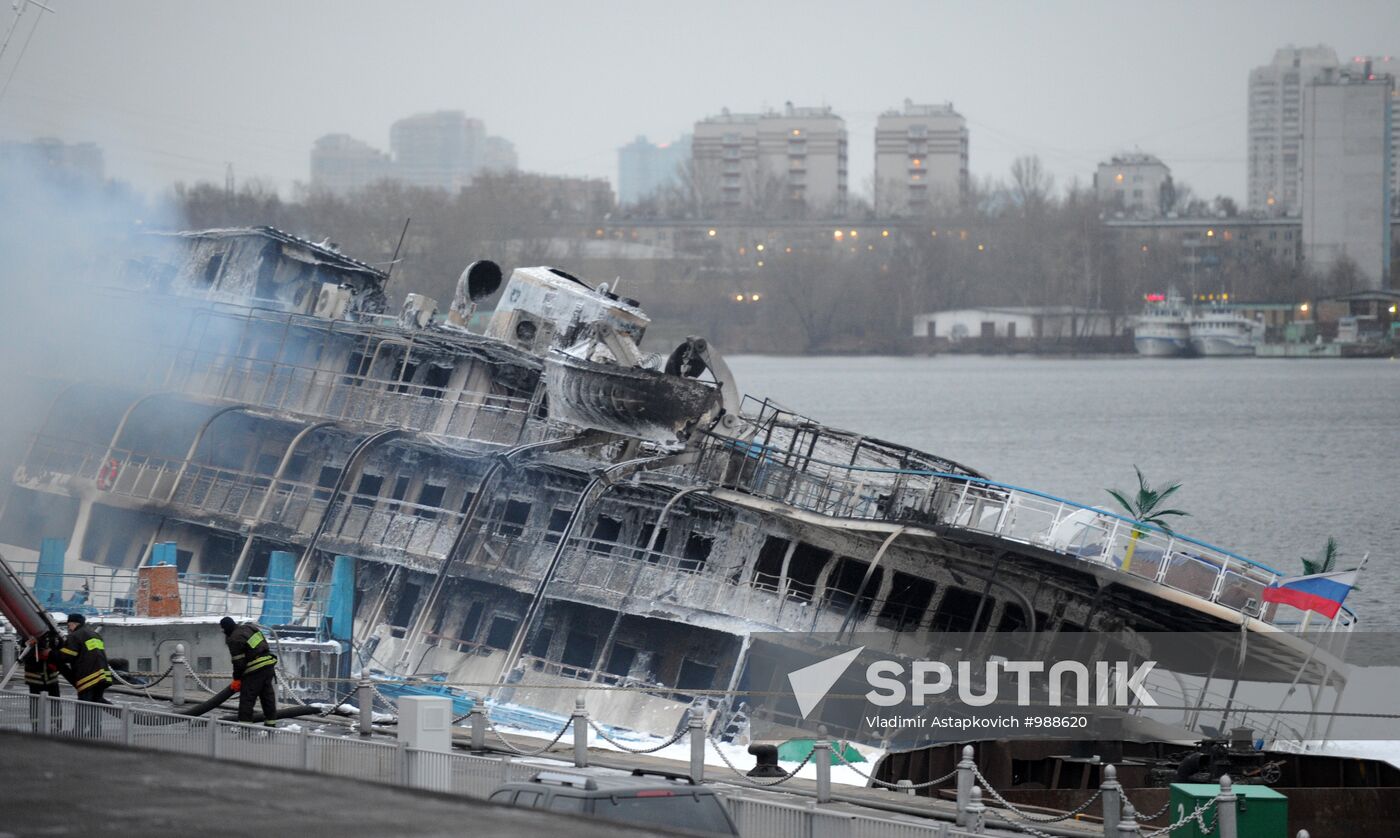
x=545, y=504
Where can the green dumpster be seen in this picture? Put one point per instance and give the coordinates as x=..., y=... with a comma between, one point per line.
x=1261, y=811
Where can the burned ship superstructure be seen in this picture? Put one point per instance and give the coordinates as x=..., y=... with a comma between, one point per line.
x=543, y=503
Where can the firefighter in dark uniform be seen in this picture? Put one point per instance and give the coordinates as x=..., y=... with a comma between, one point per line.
x=83, y=660
x=254, y=670
x=42, y=676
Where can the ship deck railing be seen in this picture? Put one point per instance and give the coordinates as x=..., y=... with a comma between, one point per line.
x=113, y=591
x=345, y=397
x=221, y=357
x=245, y=499
x=960, y=501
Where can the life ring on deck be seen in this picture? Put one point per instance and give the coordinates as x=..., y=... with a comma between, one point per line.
x=107, y=477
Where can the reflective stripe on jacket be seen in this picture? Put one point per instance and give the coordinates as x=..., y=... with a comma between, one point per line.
x=83, y=658
x=248, y=650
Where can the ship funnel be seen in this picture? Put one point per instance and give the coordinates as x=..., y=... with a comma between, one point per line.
x=479, y=281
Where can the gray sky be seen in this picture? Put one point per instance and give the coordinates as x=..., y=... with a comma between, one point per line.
x=174, y=90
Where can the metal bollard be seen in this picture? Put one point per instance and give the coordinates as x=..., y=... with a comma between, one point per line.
x=7, y=651
x=821, y=755
x=965, y=784
x=696, y=724
x=45, y=725
x=1127, y=824
x=976, y=811
x=580, y=723
x=1225, y=813
x=178, y=664
x=478, y=722
x=1112, y=801
x=364, y=694
x=906, y=786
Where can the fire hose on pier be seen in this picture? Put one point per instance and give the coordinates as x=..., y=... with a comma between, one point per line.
x=32, y=620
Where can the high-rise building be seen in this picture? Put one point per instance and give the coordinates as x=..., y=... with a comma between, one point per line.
x=1135, y=184
x=499, y=156
x=725, y=153
x=791, y=163
x=920, y=159
x=340, y=163
x=1388, y=66
x=1276, y=116
x=645, y=168
x=1347, y=170
x=442, y=149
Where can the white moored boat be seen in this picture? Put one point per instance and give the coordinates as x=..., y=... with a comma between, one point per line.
x=1163, y=329
x=1216, y=332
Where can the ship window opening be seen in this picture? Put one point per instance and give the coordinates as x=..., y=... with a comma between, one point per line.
x=470, y=626
x=1013, y=618
x=430, y=499
x=356, y=368
x=400, y=490
x=989, y=329
x=204, y=664
x=296, y=467
x=211, y=268
x=620, y=660
x=501, y=633
x=697, y=551
x=325, y=482
x=435, y=381
x=404, y=371
x=957, y=609
x=367, y=490
x=558, y=520
x=579, y=649
x=605, y=534
x=845, y=581
x=805, y=569
x=466, y=501
x=539, y=647
x=183, y=560
x=644, y=538
x=768, y=569
x=404, y=606
x=513, y=519
x=267, y=464
x=908, y=600
x=117, y=549
x=144, y=665
x=695, y=676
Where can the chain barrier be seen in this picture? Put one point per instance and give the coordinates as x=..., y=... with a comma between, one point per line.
x=199, y=682
x=1152, y=817
x=895, y=786
x=750, y=780
x=145, y=688
x=676, y=737
x=1196, y=816
x=521, y=751
x=987, y=787
x=286, y=688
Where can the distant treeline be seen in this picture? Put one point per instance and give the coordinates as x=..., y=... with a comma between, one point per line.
x=1019, y=241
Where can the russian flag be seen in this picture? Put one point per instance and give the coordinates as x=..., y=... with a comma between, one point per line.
x=1322, y=592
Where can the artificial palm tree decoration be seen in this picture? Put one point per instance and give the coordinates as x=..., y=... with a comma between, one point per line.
x=1325, y=563
x=1145, y=508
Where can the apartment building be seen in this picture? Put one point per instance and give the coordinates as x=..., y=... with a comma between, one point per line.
x=920, y=159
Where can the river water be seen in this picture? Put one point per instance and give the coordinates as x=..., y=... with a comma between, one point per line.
x=1273, y=455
